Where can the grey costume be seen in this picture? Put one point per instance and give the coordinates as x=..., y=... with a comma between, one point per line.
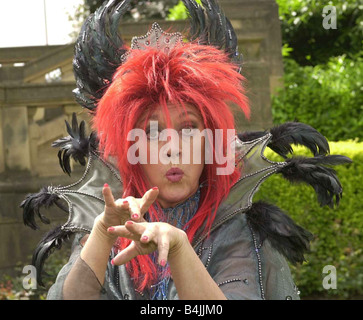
x=248, y=242
x=233, y=254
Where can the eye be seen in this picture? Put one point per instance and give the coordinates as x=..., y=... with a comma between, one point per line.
x=152, y=135
x=189, y=129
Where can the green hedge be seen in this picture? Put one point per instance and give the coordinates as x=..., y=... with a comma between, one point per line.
x=337, y=232
x=328, y=97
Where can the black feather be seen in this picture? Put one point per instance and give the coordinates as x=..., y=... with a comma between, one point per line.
x=270, y=223
x=232, y=46
x=33, y=202
x=314, y=172
x=283, y=136
x=197, y=21
x=51, y=241
x=76, y=145
x=98, y=52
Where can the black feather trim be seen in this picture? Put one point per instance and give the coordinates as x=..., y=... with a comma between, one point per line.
x=284, y=135
x=33, y=202
x=51, y=241
x=271, y=223
x=289, y=133
x=314, y=172
x=76, y=145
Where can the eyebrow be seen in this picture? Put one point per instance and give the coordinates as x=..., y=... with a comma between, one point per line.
x=155, y=117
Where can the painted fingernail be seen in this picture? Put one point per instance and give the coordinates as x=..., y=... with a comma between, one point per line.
x=105, y=185
x=155, y=188
x=135, y=216
x=129, y=222
x=112, y=262
x=144, y=238
x=162, y=263
x=111, y=229
x=125, y=202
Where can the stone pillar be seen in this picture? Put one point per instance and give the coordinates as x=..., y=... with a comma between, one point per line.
x=257, y=26
x=16, y=138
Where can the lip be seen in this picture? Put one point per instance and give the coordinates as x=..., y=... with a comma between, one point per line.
x=174, y=174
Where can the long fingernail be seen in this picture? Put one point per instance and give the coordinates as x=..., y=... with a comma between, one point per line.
x=135, y=216
x=111, y=229
x=144, y=238
x=129, y=222
x=125, y=202
x=155, y=188
x=105, y=185
x=162, y=263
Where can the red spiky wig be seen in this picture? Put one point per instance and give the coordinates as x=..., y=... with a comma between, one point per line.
x=200, y=75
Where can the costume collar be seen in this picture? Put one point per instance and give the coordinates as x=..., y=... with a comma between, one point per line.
x=255, y=168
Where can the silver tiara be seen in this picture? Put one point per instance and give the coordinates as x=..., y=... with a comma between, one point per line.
x=157, y=38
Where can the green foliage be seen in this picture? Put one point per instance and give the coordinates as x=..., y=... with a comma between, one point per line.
x=337, y=232
x=179, y=12
x=303, y=31
x=11, y=287
x=328, y=97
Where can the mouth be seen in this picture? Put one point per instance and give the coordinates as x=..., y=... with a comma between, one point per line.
x=174, y=174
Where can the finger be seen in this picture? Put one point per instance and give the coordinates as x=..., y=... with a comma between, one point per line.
x=125, y=255
x=163, y=250
x=108, y=196
x=136, y=228
x=148, y=199
x=123, y=204
x=134, y=208
x=121, y=231
x=147, y=236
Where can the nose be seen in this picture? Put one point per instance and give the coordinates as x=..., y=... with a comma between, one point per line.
x=172, y=147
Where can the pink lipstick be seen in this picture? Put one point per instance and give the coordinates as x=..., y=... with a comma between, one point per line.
x=174, y=174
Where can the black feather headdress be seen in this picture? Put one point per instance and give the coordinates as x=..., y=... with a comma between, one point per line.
x=100, y=49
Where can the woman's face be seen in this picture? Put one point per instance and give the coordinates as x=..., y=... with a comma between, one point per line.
x=177, y=177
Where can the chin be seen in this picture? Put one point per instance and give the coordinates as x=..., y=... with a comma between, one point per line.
x=173, y=195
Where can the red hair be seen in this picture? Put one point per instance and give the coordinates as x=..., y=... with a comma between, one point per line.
x=200, y=75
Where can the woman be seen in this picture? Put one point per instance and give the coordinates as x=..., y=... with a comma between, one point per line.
x=184, y=226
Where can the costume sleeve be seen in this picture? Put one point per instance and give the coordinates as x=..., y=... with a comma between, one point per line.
x=76, y=280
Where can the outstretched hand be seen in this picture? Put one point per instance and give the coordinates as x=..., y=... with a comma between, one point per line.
x=119, y=211
x=148, y=237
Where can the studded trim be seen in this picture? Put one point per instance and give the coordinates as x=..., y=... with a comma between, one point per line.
x=259, y=264
x=228, y=281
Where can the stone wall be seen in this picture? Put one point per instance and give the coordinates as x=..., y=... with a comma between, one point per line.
x=32, y=112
